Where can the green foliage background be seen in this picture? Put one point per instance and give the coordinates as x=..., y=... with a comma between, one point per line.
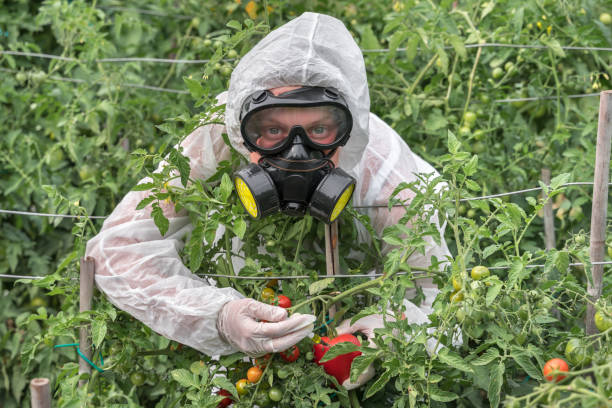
x=68, y=127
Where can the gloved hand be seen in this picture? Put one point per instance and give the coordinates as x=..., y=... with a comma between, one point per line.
x=237, y=325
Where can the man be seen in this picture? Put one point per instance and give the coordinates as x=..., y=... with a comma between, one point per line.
x=141, y=272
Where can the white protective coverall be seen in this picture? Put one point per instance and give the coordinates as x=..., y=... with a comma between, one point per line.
x=141, y=272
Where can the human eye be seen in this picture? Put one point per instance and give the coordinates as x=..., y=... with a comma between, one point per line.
x=319, y=130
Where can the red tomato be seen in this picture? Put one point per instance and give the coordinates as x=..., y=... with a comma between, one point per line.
x=552, y=365
x=339, y=367
x=225, y=402
x=284, y=301
x=291, y=354
x=262, y=362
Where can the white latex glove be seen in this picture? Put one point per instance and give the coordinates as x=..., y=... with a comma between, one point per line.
x=237, y=325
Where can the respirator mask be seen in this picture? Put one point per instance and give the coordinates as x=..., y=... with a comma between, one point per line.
x=296, y=134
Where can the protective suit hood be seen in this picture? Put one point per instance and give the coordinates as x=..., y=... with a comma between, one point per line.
x=311, y=50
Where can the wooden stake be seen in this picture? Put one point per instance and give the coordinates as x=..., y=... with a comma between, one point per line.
x=85, y=296
x=331, y=255
x=41, y=393
x=600, y=205
x=549, y=220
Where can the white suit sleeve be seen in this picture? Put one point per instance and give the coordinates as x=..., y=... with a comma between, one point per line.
x=142, y=273
x=387, y=162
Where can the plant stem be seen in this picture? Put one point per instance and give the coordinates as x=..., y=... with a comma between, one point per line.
x=354, y=399
x=228, y=251
x=471, y=84
x=422, y=74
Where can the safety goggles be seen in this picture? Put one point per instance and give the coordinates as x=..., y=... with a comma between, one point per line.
x=320, y=116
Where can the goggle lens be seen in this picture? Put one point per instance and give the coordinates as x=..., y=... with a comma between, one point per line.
x=269, y=128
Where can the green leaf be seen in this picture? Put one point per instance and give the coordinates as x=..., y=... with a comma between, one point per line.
x=145, y=201
x=453, y=143
x=195, y=87
x=339, y=349
x=226, y=187
x=471, y=167
x=160, y=220
x=230, y=359
x=558, y=181
x=437, y=394
x=235, y=25
x=182, y=163
x=143, y=187
x=454, y=360
x=488, y=356
x=184, y=377
x=492, y=292
x=515, y=272
x=378, y=384
x=98, y=331
x=359, y=364
x=239, y=227
x=393, y=240
x=457, y=43
x=523, y=360
x=496, y=380
x=368, y=39
x=319, y=285
x=196, y=250
x=225, y=384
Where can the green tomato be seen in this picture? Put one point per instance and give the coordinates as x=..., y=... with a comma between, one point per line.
x=602, y=321
x=464, y=131
x=480, y=272
x=262, y=398
x=232, y=53
x=478, y=147
x=479, y=134
x=86, y=172
x=497, y=73
x=509, y=66
x=610, y=251
x=469, y=118
x=226, y=70
x=545, y=303
x=471, y=213
x=457, y=283
x=207, y=42
x=605, y=18
x=523, y=312
x=137, y=378
x=576, y=352
x=275, y=394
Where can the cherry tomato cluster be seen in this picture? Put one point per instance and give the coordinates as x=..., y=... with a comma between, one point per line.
x=269, y=296
x=478, y=273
